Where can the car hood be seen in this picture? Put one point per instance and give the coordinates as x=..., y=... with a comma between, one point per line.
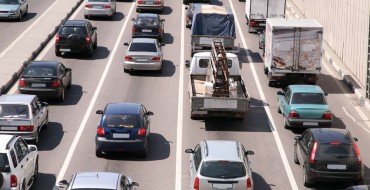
x=8, y=7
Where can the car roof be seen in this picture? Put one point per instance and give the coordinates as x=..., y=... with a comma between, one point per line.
x=17, y=98
x=147, y=15
x=122, y=108
x=98, y=180
x=4, y=139
x=44, y=63
x=74, y=23
x=222, y=150
x=143, y=40
x=305, y=88
x=331, y=135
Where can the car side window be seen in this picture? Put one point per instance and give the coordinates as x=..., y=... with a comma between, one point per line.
x=18, y=151
x=35, y=108
x=14, y=158
x=307, y=140
x=61, y=69
x=197, y=156
x=124, y=184
x=287, y=96
x=89, y=28
x=39, y=104
x=24, y=147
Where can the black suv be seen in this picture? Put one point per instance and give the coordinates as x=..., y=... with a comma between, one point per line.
x=76, y=36
x=328, y=155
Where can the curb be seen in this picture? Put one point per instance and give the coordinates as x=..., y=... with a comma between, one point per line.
x=6, y=87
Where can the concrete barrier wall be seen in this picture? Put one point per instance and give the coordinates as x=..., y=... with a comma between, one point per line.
x=346, y=30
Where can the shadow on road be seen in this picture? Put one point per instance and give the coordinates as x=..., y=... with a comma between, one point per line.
x=117, y=17
x=168, y=70
x=50, y=137
x=72, y=96
x=260, y=183
x=44, y=181
x=99, y=53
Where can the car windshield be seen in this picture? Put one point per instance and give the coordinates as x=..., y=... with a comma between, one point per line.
x=223, y=169
x=14, y=111
x=3, y=161
x=337, y=150
x=144, y=47
x=39, y=71
x=308, y=98
x=148, y=21
x=9, y=2
x=72, y=30
x=121, y=121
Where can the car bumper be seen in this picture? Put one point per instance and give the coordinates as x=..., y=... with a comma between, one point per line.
x=43, y=93
x=143, y=66
x=98, y=12
x=8, y=16
x=320, y=176
x=67, y=49
x=136, y=145
x=28, y=136
x=307, y=123
x=149, y=7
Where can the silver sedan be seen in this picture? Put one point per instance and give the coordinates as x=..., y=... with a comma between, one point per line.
x=13, y=9
x=143, y=54
x=99, y=8
x=156, y=5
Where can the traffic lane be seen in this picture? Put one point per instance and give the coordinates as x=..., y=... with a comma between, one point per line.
x=158, y=92
x=11, y=29
x=65, y=117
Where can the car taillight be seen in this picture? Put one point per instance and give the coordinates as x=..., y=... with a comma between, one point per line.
x=133, y=29
x=140, y=2
x=56, y=83
x=106, y=6
x=141, y=132
x=159, y=30
x=156, y=59
x=335, y=143
x=293, y=114
x=88, y=6
x=157, y=3
x=13, y=181
x=57, y=38
x=88, y=39
x=128, y=58
x=196, y=184
x=100, y=131
x=253, y=23
x=25, y=128
x=313, y=153
x=327, y=115
x=249, y=183
x=21, y=82
x=358, y=154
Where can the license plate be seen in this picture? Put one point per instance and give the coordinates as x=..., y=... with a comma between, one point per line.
x=9, y=128
x=311, y=123
x=121, y=135
x=262, y=24
x=149, y=2
x=98, y=7
x=145, y=30
x=222, y=185
x=336, y=167
x=141, y=59
x=38, y=85
x=65, y=50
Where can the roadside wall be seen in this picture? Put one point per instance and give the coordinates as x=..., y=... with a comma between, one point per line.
x=346, y=30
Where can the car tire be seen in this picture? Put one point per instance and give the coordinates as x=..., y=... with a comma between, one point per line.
x=57, y=53
x=62, y=96
x=144, y=153
x=278, y=109
x=36, y=140
x=137, y=10
x=285, y=123
x=296, y=160
x=1, y=179
x=36, y=171
x=70, y=83
x=98, y=153
x=86, y=16
x=90, y=52
x=20, y=16
x=26, y=12
x=46, y=120
x=306, y=181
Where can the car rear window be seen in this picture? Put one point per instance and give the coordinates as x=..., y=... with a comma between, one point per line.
x=338, y=150
x=14, y=111
x=148, y=21
x=73, y=30
x=121, y=121
x=3, y=161
x=223, y=169
x=39, y=71
x=144, y=47
x=308, y=98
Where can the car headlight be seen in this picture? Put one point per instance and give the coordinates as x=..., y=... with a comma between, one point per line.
x=13, y=12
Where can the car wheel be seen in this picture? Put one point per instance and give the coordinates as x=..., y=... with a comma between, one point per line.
x=58, y=53
x=137, y=10
x=70, y=83
x=98, y=153
x=306, y=181
x=36, y=140
x=89, y=52
x=278, y=109
x=26, y=11
x=86, y=17
x=61, y=97
x=20, y=16
x=144, y=153
x=1, y=179
x=285, y=123
x=265, y=70
x=95, y=44
x=126, y=70
x=46, y=120
x=295, y=155
x=36, y=172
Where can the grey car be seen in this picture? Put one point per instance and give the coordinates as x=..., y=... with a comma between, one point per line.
x=220, y=164
x=98, y=180
x=99, y=8
x=153, y=5
x=23, y=115
x=143, y=54
x=13, y=9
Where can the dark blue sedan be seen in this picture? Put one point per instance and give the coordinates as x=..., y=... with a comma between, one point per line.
x=124, y=127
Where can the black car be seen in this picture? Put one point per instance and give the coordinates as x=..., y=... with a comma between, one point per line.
x=46, y=79
x=189, y=13
x=148, y=25
x=328, y=155
x=186, y=2
x=76, y=36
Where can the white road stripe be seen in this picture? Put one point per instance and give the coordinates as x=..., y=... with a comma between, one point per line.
x=180, y=104
x=93, y=100
x=267, y=109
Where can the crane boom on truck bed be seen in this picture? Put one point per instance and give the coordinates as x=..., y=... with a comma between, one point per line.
x=219, y=70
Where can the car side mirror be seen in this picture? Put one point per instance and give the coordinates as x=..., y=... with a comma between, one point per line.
x=162, y=44
x=240, y=65
x=133, y=19
x=63, y=183
x=297, y=138
x=187, y=63
x=249, y=152
x=186, y=8
x=325, y=93
x=280, y=93
x=68, y=69
x=355, y=138
x=32, y=148
x=99, y=112
x=94, y=28
x=149, y=113
x=6, y=168
x=45, y=104
x=134, y=184
x=126, y=44
x=162, y=20
x=189, y=150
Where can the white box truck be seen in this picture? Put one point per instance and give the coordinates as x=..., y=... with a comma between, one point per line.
x=293, y=50
x=257, y=11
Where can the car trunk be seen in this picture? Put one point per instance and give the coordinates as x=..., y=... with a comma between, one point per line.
x=39, y=82
x=124, y=133
x=310, y=111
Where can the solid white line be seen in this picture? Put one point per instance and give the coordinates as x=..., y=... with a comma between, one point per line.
x=267, y=109
x=345, y=111
x=25, y=32
x=180, y=104
x=93, y=100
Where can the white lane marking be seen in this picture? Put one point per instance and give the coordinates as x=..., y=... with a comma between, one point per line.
x=26, y=31
x=180, y=104
x=93, y=100
x=353, y=119
x=267, y=109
